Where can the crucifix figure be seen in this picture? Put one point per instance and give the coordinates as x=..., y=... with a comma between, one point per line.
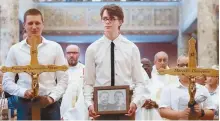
x=34, y=69
x=191, y=71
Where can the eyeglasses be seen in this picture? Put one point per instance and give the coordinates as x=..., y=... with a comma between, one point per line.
x=109, y=19
x=182, y=65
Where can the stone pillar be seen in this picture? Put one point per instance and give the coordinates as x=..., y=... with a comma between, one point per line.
x=9, y=27
x=183, y=43
x=182, y=40
x=207, y=33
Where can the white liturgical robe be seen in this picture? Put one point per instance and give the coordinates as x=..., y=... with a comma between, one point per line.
x=158, y=82
x=73, y=106
x=147, y=114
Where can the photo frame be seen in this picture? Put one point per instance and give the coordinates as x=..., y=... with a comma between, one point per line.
x=111, y=99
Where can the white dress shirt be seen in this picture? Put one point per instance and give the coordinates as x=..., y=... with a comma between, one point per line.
x=49, y=52
x=73, y=106
x=127, y=67
x=176, y=96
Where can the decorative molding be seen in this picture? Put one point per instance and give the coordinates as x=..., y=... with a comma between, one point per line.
x=138, y=18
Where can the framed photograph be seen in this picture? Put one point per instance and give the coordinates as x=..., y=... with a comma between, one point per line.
x=111, y=99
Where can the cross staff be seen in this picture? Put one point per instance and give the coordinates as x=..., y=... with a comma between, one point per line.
x=191, y=71
x=34, y=69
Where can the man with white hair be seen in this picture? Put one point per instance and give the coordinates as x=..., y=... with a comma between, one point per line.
x=72, y=106
x=159, y=81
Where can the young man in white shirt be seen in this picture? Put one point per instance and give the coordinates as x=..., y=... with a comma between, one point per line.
x=174, y=99
x=49, y=53
x=73, y=106
x=126, y=67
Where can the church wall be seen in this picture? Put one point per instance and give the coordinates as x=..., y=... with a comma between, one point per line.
x=147, y=50
x=79, y=18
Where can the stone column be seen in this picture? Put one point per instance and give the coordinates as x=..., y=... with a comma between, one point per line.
x=182, y=40
x=207, y=33
x=183, y=44
x=9, y=27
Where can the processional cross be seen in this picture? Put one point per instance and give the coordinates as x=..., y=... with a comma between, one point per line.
x=34, y=69
x=191, y=71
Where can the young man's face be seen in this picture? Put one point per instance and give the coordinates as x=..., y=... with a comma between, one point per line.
x=111, y=24
x=183, y=63
x=33, y=25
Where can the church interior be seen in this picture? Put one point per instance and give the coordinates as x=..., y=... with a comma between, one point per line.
x=153, y=25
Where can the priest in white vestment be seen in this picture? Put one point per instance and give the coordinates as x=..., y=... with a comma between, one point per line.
x=159, y=81
x=72, y=106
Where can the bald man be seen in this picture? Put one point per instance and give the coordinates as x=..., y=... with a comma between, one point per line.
x=159, y=81
x=72, y=106
x=72, y=54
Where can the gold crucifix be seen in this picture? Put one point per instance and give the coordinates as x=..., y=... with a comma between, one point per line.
x=34, y=69
x=191, y=71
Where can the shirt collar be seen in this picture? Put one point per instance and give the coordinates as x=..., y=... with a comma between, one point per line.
x=44, y=41
x=180, y=85
x=115, y=41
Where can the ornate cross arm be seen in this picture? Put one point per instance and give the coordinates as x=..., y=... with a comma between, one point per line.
x=190, y=71
x=14, y=69
x=34, y=69
x=53, y=68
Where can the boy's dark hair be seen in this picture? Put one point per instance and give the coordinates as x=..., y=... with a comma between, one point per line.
x=113, y=10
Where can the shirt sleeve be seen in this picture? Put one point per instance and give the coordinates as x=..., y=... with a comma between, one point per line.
x=8, y=82
x=165, y=98
x=139, y=92
x=90, y=76
x=208, y=104
x=61, y=76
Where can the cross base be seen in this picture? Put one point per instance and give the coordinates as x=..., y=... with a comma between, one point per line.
x=36, y=108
